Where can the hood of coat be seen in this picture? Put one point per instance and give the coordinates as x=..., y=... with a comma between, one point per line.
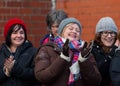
x=54, y=46
x=19, y=50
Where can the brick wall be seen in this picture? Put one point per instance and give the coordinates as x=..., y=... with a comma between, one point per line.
x=32, y=12
x=89, y=12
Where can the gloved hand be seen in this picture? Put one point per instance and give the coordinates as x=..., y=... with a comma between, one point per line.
x=86, y=50
x=66, y=48
x=65, y=51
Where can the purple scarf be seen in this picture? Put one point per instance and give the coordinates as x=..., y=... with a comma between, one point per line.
x=75, y=48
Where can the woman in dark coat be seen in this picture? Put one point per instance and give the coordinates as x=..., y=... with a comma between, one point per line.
x=115, y=65
x=104, y=48
x=16, y=56
x=62, y=63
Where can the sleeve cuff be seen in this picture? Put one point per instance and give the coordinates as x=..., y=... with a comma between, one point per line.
x=80, y=58
x=65, y=57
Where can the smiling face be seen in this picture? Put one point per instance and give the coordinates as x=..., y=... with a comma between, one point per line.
x=71, y=32
x=108, y=38
x=17, y=36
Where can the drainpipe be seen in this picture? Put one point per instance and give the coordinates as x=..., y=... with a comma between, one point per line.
x=53, y=4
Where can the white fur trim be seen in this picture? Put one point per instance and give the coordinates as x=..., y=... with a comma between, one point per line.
x=65, y=57
x=81, y=59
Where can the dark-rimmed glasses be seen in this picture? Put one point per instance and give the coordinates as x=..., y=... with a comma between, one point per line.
x=106, y=33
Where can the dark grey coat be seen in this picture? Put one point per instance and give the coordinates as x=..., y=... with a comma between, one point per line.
x=115, y=69
x=22, y=73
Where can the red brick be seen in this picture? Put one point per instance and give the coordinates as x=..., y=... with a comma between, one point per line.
x=14, y=4
x=89, y=12
x=26, y=11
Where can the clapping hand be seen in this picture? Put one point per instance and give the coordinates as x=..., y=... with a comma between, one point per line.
x=8, y=65
x=86, y=50
x=66, y=48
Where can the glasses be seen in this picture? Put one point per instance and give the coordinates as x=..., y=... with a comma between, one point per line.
x=106, y=33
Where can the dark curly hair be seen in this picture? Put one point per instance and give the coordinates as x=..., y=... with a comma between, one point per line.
x=118, y=36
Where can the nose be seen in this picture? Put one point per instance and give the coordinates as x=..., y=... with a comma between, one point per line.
x=74, y=30
x=109, y=35
x=18, y=34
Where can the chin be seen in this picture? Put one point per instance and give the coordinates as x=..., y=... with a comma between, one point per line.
x=72, y=39
x=20, y=43
x=109, y=45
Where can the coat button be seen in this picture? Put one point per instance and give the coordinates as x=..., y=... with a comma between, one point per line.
x=105, y=60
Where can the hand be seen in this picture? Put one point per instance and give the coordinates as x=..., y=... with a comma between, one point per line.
x=66, y=48
x=8, y=65
x=117, y=43
x=86, y=50
x=7, y=73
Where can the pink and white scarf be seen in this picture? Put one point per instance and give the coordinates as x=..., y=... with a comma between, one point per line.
x=75, y=48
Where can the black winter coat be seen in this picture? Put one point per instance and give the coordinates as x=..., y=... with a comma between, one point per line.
x=103, y=62
x=22, y=73
x=115, y=69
